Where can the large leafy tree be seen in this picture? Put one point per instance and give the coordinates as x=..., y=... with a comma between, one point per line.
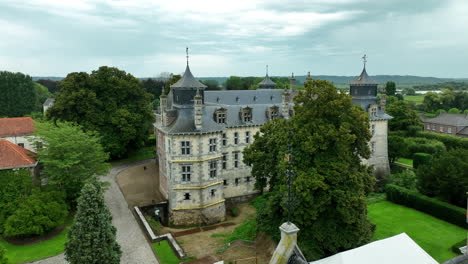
x=327, y=138
x=70, y=156
x=109, y=101
x=403, y=116
x=92, y=235
x=390, y=88
x=18, y=95
x=446, y=176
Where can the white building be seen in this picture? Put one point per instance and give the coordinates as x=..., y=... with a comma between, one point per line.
x=18, y=130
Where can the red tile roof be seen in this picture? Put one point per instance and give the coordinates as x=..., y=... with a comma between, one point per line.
x=16, y=126
x=13, y=156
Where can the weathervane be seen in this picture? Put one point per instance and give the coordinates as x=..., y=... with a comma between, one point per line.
x=364, y=59
x=186, y=51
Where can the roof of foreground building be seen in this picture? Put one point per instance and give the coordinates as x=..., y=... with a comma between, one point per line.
x=16, y=126
x=13, y=156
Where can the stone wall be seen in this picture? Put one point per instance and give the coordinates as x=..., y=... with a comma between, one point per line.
x=210, y=215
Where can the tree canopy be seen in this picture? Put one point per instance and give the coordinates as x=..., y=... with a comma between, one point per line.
x=18, y=94
x=70, y=156
x=108, y=101
x=92, y=235
x=390, y=88
x=403, y=116
x=327, y=138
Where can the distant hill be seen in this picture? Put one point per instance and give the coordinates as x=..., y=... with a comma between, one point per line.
x=338, y=80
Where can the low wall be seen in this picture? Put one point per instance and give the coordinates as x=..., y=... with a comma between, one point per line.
x=233, y=201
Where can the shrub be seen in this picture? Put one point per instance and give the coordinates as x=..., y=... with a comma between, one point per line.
x=418, y=145
x=450, y=142
x=454, y=111
x=406, y=179
x=420, y=159
x=37, y=214
x=234, y=211
x=456, y=247
x=431, y=206
x=3, y=258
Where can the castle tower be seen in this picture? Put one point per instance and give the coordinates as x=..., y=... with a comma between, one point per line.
x=162, y=108
x=364, y=93
x=267, y=83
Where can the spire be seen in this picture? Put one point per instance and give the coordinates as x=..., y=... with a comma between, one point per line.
x=364, y=60
x=308, y=77
x=267, y=70
x=186, y=51
x=267, y=83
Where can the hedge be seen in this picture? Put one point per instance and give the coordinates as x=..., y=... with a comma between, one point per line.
x=447, y=212
x=456, y=247
x=420, y=159
x=449, y=141
x=423, y=145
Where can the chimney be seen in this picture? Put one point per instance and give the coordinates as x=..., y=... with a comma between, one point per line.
x=287, y=244
x=198, y=111
x=162, y=108
x=285, y=98
x=292, y=81
x=383, y=102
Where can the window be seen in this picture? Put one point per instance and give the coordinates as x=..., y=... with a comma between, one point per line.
x=187, y=196
x=212, y=144
x=373, y=129
x=373, y=111
x=21, y=145
x=225, y=182
x=433, y=127
x=273, y=112
x=355, y=91
x=428, y=127
x=236, y=181
x=236, y=138
x=224, y=141
x=185, y=147
x=372, y=147
x=247, y=114
x=213, y=192
x=247, y=179
x=247, y=137
x=441, y=129
x=449, y=130
x=213, y=167
x=236, y=159
x=186, y=173
x=224, y=163
x=220, y=116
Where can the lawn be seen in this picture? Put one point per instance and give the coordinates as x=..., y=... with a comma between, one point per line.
x=406, y=161
x=165, y=253
x=433, y=235
x=418, y=99
x=44, y=249
x=141, y=154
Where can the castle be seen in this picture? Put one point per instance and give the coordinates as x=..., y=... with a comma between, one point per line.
x=201, y=135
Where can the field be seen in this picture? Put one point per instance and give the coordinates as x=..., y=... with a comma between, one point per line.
x=433, y=235
x=141, y=154
x=165, y=253
x=406, y=161
x=418, y=99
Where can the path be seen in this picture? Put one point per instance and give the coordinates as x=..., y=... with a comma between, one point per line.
x=135, y=248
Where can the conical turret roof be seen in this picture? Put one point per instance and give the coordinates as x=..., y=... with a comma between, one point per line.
x=267, y=83
x=188, y=81
x=363, y=79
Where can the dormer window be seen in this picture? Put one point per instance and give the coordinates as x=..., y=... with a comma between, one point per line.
x=271, y=98
x=220, y=116
x=272, y=112
x=373, y=110
x=255, y=98
x=217, y=99
x=237, y=99
x=246, y=114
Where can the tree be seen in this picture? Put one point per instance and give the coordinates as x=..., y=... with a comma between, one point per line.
x=454, y=111
x=18, y=95
x=211, y=84
x=92, y=236
x=397, y=148
x=171, y=81
x=431, y=102
x=37, y=214
x=108, y=101
x=153, y=86
x=234, y=83
x=41, y=95
x=3, y=258
x=446, y=176
x=409, y=91
x=70, y=156
x=51, y=85
x=403, y=116
x=390, y=88
x=327, y=138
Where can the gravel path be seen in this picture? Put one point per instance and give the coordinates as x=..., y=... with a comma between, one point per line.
x=135, y=248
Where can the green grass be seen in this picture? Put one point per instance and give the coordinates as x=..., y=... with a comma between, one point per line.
x=433, y=235
x=165, y=253
x=418, y=99
x=141, y=154
x=406, y=161
x=44, y=249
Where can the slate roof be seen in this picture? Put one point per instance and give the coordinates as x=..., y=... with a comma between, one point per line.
x=16, y=126
x=233, y=102
x=49, y=102
x=380, y=116
x=267, y=83
x=459, y=120
x=14, y=156
x=464, y=132
x=188, y=81
x=363, y=79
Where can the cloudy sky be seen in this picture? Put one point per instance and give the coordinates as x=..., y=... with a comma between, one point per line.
x=235, y=37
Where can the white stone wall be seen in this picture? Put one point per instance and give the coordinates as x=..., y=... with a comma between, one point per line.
x=23, y=140
x=379, y=157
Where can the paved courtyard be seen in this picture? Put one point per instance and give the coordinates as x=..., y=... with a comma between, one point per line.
x=134, y=245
